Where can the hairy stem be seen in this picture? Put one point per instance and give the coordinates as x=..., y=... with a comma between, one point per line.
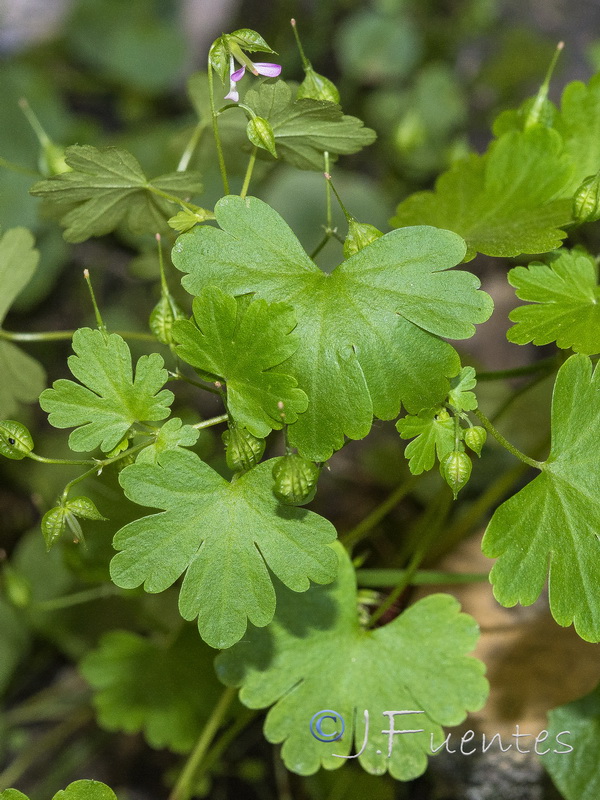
x=184, y=787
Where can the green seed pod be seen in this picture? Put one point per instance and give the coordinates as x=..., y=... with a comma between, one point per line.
x=162, y=317
x=15, y=440
x=360, y=234
x=260, y=133
x=317, y=87
x=242, y=450
x=475, y=438
x=586, y=201
x=456, y=470
x=295, y=479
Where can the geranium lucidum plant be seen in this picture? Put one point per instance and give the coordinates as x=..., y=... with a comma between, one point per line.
x=303, y=362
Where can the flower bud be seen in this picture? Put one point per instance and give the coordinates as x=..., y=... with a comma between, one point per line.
x=456, y=470
x=295, y=479
x=242, y=450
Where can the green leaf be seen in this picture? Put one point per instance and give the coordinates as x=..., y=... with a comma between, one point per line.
x=111, y=399
x=368, y=331
x=23, y=378
x=504, y=203
x=567, y=303
x=244, y=344
x=79, y=790
x=434, y=429
x=107, y=187
x=224, y=536
x=316, y=656
x=551, y=526
x=578, y=123
x=165, y=691
x=459, y=395
x=303, y=129
x=173, y=435
x=575, y=772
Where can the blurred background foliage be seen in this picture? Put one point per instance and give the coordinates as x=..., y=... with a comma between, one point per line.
x=429, y=76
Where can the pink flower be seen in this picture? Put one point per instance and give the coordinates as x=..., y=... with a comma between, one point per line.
x=257, y=68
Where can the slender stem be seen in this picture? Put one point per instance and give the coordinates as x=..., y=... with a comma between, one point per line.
x=249, y=172
x=305, y=61
x=430, y=525
x=18, y=168
x=187, y=154
x=505, y=443
x=97, y=314
x=364, y=527
x=220, y=746
x=516, y=372
x=390, y=577
x=67, y=461
x=517, y=394
x=208, y=423
x=184, y=786
x=61, y=336
x=77, y=598
x=215, y=128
